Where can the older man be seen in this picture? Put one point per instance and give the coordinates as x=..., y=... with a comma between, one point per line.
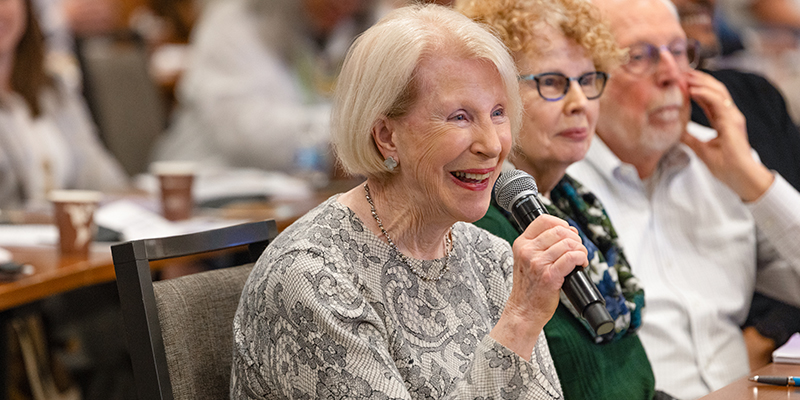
x=699, y=219
x=774, y=135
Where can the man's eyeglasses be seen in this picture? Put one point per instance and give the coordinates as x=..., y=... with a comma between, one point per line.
x=644, y=57
x=553, y=86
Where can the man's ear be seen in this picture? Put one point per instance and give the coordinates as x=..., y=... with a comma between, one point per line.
x=383, y=134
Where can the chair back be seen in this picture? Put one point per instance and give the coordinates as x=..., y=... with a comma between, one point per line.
x=196, y=315
x=127, y=104
x=179, y=331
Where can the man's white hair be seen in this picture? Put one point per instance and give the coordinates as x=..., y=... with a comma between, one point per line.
x=670, y=6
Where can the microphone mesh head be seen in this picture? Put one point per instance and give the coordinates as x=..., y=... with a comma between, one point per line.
x=510, y=184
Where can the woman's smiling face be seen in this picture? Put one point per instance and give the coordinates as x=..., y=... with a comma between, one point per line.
x=453, y=140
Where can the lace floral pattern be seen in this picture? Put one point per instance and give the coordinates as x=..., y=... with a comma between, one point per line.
x=329, y=312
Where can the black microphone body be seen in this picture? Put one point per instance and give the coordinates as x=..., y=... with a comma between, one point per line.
x=516, y=192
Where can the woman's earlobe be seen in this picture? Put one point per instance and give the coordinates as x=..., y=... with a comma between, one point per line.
x=383, y=135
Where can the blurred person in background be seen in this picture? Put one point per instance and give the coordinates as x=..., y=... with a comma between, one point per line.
x=48, y=141
x=774, y=136
x=762, y=14
x=563, y=49
x=770, y=129
x=768, y=33
x=256, y=90
x=64, y=22
x=47, y=138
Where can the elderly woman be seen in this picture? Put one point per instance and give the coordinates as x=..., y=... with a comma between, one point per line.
x=382, y=291
x=561, y=48
x=47, y=138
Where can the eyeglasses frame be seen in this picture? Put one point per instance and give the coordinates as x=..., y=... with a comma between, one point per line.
x=570, y=79
x=690, y=43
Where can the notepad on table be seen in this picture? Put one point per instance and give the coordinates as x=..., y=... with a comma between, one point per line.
x=789, y=352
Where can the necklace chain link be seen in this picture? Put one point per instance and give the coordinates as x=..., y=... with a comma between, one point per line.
x=447, y=245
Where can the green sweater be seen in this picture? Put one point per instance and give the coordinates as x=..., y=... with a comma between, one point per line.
x=618, y=370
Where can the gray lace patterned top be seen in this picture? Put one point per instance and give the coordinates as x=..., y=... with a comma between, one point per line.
x=329, y=312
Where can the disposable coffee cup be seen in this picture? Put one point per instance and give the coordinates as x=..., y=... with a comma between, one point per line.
x=175, y=180
x=74, y=216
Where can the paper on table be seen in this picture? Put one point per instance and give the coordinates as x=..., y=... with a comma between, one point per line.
x=789, y=352
x=134, y=221
x=212, y=184
x=28, y=235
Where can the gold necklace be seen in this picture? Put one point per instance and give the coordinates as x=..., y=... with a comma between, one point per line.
x=448, y=243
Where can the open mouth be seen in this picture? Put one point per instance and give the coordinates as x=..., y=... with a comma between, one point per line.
x=471, y=178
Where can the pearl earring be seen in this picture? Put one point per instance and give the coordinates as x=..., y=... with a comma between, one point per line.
x=390, y=163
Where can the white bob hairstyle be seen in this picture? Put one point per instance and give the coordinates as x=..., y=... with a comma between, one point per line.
x=378, y=76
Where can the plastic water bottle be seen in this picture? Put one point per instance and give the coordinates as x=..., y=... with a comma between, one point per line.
x=311, y=164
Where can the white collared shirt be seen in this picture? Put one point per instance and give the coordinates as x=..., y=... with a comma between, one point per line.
x=694, y=246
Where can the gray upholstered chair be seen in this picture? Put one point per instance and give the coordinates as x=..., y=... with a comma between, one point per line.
x=179, y=331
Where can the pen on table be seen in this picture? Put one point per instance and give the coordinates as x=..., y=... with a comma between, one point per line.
x=777, y=380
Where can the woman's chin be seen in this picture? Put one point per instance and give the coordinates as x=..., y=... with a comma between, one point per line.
x=475, y=211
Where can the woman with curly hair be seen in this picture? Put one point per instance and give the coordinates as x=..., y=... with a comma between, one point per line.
x=562, y=48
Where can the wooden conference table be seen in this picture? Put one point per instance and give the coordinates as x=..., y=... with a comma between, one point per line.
x=55, y=274
x=743, y=389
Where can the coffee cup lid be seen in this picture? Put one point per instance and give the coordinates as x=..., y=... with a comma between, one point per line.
x=74, y=196
x=172, y=168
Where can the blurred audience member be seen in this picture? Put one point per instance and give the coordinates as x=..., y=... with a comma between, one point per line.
x=776, y=139
x=770, y=128
x=703, y=222
x=47, y=140
x=781, y=14
x=62, y=22
x=256, y=90
x=767, y=31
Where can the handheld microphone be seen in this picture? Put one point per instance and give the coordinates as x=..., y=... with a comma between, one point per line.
x=516, y=192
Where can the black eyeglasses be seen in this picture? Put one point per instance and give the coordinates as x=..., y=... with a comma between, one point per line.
x=644, y=57
x=553, y=86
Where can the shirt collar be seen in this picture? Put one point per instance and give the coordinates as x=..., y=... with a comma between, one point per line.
x=601, y=157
